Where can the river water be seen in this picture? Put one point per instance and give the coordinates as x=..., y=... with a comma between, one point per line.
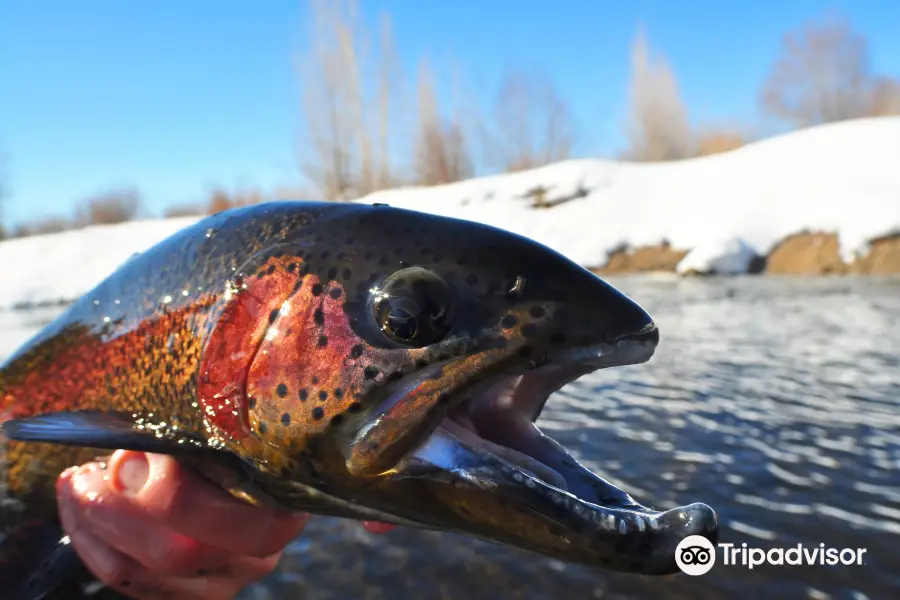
x=776, y=401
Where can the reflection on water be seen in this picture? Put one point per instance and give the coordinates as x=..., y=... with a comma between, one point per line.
x=773, y=400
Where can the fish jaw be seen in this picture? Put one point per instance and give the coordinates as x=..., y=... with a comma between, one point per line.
x=502, y=479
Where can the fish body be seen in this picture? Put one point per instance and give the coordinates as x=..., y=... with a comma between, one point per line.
x=352, y=360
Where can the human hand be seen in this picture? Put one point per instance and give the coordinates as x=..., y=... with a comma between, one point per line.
x=149, y=528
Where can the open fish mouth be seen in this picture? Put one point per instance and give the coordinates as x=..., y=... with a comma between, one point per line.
x=490, y=441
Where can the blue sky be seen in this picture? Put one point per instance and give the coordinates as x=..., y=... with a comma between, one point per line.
x=174, y=97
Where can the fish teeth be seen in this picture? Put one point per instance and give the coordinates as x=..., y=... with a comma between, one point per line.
x=639, y=520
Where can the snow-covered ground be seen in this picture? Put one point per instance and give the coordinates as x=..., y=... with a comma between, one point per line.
x=842, y=177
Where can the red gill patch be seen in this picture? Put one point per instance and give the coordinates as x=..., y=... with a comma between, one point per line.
x=234, y=342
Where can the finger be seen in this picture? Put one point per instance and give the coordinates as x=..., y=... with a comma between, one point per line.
x=113, y=518
x=195, y=508
x=377, y=526
x=124, y=575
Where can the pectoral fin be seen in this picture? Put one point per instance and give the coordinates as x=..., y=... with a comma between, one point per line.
x=108, y=430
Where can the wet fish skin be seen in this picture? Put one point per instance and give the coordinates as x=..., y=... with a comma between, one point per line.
x=249, y=345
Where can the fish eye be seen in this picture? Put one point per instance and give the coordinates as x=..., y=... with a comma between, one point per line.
x=412, y=307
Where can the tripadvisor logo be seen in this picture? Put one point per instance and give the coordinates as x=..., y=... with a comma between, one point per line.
x=696, y=555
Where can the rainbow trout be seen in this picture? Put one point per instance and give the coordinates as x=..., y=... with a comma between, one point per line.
x=352, y=360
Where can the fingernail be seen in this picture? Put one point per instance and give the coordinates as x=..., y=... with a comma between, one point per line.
x=88, y=482
x=130, y=471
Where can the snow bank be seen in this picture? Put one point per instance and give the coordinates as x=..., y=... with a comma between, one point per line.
x=842, y=177
x=63, y=266
x=726, y=256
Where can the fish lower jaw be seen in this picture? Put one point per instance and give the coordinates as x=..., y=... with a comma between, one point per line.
x=614, y=532
x=505, y=449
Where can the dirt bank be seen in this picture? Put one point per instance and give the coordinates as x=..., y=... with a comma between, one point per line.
x=805, y=253
x=644, y=259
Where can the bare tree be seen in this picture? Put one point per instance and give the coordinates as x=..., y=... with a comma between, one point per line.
x=821, y=75
x=886, y=97
x=184, y=210
x=43, y=226
x=346, y=151
x=533, y=124
x=716, y=139
x=441, y=152
x=112, y=207
x=3, y=193
x=658, y=126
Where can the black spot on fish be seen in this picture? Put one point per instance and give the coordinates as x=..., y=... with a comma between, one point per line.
x=383, y=261
x=356, y=351
x=421, y=363
x=251, y=402
x=292, y=267
x=325, y=254
x=338, y=393
x=317, y=289
x=323, y=395
x=286, y=419
x=395, y=376
x=270, y=270
x=272, y=316
x=335, y=293
x=337, y=419
x=317, y=413
x=529, y=330
x=319, y=316
x=508, y=321
x=536, y=312
x=526, y=351
x=340, y=255
x=354, y=407
x=368, y=255
x=558, y=338
x=323, y=341
x=315, y=379
x=371, y=372
x=304, y=394
x=263, y=428
x=346, y=274
x=281, y=390
x=332, y=273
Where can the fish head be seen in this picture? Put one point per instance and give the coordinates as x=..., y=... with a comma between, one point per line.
x=407, y=364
